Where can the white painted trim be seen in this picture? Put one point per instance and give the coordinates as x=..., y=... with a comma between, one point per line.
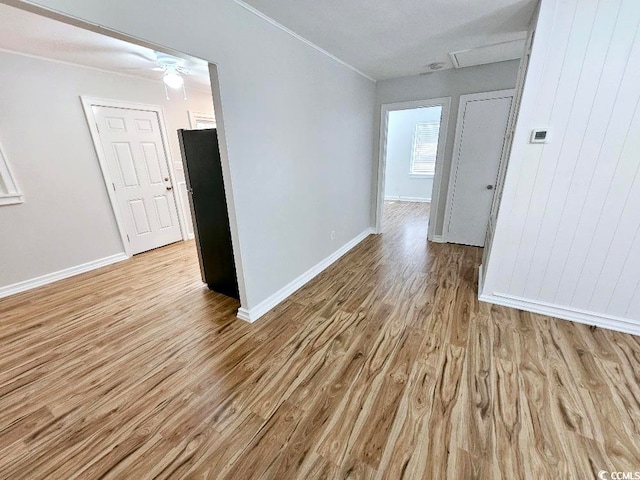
x=301, y=38
x=12, y=195
x=445, y=103
x=457, y=144
x=253, y=314
x=87, y=104
x=11, y=199
x=407, y=199
x=437, y=239
x=60, y=274
x=195, y=116
x=245, y=315
x=573, y=314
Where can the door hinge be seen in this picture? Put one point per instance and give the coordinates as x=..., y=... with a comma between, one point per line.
x=97, y=127
x=128, y=239
x=114, y=186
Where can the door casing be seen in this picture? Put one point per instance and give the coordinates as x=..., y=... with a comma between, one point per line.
x=445, y=103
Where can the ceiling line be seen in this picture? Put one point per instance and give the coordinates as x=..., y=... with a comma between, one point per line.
x=301, y=38
x=89, y=67
x=67, y=19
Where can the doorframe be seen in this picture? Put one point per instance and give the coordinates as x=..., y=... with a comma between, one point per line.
x=464, y=99
x=87, y=104
x=445, y=103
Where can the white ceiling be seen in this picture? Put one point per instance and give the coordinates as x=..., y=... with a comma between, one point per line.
x=388, y=39
x=32, y=34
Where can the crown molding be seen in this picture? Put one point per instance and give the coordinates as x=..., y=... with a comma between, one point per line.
x=301, y=38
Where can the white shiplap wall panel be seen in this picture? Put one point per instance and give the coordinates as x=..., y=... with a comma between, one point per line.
x=627, y=284
x=633, y=311
x=566, y=152
x=565, y=98
x=568, y=231
x=505, y=234
x=579, y=183
x=603, y=203
x=616, y=254
x=529, y=170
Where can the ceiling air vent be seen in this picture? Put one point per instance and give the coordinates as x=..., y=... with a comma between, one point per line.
x=498, y=52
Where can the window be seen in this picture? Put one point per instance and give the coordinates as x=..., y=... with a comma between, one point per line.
x=204, y=124
x=9, y=193
x=425, y=148
x=201, y=121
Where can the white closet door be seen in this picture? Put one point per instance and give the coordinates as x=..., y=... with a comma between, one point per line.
x=480, y=135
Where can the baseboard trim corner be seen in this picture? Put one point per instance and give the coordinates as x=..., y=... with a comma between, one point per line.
x=437, y=239
x=60, y=275
x=250, y=315
x=244, y=314
x=608, y=322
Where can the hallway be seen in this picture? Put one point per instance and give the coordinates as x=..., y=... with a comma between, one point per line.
x=384, y=366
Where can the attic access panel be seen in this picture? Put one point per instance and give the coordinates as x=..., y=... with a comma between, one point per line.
x=499, y=52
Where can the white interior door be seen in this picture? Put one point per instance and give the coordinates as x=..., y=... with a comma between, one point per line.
x=480, y=134
x=139, y=169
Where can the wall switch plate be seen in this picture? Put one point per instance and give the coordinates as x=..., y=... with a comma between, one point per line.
x=539, y=135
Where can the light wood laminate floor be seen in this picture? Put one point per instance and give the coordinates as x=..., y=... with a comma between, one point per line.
x=384, y=366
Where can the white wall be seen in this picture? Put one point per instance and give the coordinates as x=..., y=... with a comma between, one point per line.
x=447, y=83
x=399, y=183
x=66, y=219
x=296, y=124
x=567, y=237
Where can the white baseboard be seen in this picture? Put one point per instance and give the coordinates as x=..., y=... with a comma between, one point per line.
x=407, y=199
x=437, y=239
x=60, y=274
x=253, y=314
x=552, y=310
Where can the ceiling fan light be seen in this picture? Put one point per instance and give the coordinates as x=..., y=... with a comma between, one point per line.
x=173, y=80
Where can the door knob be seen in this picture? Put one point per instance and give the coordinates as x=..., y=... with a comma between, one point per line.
x=169, y=188
x=489, y=187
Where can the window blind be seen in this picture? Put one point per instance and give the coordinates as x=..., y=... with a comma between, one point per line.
x=425, y=148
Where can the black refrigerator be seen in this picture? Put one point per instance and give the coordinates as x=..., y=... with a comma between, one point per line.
x=203, y=172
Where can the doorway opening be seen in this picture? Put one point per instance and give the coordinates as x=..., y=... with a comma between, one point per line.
x=100, y=112
x=412, y=144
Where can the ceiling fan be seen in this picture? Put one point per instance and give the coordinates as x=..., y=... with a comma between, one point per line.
x=173, y=72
